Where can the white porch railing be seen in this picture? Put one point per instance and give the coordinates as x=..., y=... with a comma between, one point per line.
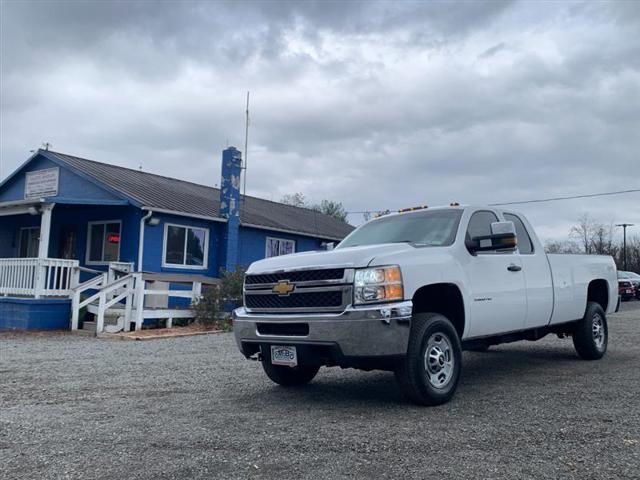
x=38, y=277
x=103, y=295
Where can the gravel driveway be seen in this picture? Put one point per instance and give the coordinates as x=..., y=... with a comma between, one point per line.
x=77, y=407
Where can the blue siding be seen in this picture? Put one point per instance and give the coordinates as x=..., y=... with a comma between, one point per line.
x=253, y=243
x=77, y=217
x=70, y=185
x=10, y=230
x=32, y=314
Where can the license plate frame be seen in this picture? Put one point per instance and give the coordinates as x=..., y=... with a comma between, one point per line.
x=285, y=355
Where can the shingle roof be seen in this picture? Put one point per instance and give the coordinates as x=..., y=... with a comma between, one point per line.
x=156, y=191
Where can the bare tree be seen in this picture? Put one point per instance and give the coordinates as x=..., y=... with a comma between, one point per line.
x=583, y=232
x=602, y=239
x=328, y=207
x=566, y=246
x=296, y=199
x=592, y=237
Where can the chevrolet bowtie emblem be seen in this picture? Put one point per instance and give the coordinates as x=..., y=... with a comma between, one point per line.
x=283, y=288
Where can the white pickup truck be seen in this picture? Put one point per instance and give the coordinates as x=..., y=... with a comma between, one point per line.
x=407, y=292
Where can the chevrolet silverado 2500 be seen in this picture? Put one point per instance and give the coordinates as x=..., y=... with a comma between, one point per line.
x=407, y=292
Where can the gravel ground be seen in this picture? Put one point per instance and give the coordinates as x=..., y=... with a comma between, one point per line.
x=77, y=407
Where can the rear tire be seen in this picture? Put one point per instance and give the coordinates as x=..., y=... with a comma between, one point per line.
x=429, y=373
x=591, y=334
x=289, y=376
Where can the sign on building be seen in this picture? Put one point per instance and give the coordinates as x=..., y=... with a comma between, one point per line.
x=42, y=183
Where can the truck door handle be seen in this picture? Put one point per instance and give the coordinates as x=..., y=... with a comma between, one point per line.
x=514, y=268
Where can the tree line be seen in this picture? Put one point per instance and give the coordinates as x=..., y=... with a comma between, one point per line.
x=596, y=238
x=328, y=207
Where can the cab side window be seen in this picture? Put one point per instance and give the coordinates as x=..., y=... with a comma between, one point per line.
x=525, y=246
x=480, y=225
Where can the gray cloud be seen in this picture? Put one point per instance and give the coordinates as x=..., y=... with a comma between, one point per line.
x=376, y=104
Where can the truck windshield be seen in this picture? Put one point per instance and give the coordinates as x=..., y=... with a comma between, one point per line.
x=435, y=228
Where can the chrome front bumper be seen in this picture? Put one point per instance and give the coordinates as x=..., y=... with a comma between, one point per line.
x=371, y=331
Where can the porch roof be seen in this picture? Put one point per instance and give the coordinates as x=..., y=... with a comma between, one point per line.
x=20, y=207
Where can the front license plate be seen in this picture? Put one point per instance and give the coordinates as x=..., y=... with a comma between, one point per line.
x=628, y=291
x=284, y=355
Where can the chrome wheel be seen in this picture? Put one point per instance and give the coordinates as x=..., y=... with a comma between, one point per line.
x=598, y=331
x=439, y=360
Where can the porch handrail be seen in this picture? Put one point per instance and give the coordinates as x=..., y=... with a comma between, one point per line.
x=123, y=288
x=91, y=284
x=132, y=289
x=90, y=270
x=38, y=277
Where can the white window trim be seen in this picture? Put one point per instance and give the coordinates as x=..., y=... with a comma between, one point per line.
x=88, y=249
x=205, y=265
x=35, y=227
x=280, y=239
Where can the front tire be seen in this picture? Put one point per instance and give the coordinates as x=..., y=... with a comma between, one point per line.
x=289, y=376
x=591, y=334
x=429, y=373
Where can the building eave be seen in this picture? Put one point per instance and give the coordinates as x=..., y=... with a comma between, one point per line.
x=183, y=214
x=292, y=232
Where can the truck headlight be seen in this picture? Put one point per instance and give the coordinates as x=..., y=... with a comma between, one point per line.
x=378, y=284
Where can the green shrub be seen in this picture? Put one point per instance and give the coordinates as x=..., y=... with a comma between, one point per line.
x=210, y=308
x=207, y=307
x=231, y=285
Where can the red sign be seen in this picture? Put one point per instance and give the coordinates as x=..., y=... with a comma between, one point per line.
x=113, y=238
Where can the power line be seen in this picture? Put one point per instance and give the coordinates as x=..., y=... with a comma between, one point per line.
x=539, y=200
x=553, y=199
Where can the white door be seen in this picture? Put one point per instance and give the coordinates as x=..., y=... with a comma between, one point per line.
x=537, y=276
x=496, y=282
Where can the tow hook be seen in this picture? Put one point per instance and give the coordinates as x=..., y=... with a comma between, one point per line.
x=256, y=357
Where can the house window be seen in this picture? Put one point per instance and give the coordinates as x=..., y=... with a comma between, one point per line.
x=103, y=242
x=185, y=247
x=29, y=242
x=279, y=246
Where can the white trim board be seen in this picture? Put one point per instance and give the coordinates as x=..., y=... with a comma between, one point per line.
x=266, y=245
x=88, y=246
x=205, y=262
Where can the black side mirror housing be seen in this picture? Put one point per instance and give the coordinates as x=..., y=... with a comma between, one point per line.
x=503, y=237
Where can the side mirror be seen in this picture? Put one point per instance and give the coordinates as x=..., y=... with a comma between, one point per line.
x=503, y=237
x=329, y=245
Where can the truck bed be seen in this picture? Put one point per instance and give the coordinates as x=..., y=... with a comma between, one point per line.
x=571, y=275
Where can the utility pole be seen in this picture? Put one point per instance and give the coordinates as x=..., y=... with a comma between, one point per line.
x=624, y=242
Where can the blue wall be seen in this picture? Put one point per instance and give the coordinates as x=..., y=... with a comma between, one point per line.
x=71, y=186
x=74, y=217
x=43, y=314
x=77, y=217
x=9, y=232
x=253, y=242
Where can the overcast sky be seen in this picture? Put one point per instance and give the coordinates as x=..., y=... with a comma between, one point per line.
x=375, y=104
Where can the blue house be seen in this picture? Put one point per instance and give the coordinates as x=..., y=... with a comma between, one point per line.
x=64, y=220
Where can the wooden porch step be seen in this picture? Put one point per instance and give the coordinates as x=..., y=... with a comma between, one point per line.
x=90, y=326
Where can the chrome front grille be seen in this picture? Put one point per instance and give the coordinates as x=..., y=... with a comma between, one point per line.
x=313, y=290
x=296, y=276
